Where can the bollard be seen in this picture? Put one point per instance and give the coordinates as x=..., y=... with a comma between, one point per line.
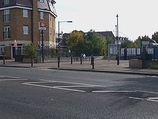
x=58, y=61
x=71, y=59
x=92, y=62
x=117, y=58
x=3, y=59
x=80, y=59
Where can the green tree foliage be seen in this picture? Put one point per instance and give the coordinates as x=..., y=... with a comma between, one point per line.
x=126, y=43
x=110, y=40
x=137, y=42
x=89, y=43
x=75, y=42
x=95, y=44
x=155, y=36
x=30, y=52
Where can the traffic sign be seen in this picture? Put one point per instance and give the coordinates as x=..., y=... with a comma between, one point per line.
x=42, y=25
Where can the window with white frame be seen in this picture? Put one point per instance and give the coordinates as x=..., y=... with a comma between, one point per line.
x=25, y=13
x=6, y=15
x=25, y=30
x=2, y=47
x=41, y=15
x=5, y=2
x=6, y=32
x=41, y=0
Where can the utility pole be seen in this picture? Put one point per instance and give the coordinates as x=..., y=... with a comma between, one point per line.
x=117, y=38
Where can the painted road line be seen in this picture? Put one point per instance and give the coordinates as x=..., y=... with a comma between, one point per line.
x=77, y=86
x=6, y=76
x=152, y=76
x=52, y=87
x=109, y=91
x=69, y=83
x=146, y=99
x=13, y=79
x=153, y=98
x=137, y=98
x=68, y=89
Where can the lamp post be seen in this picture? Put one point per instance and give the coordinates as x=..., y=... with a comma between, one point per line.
x=42, y=28
x=59, y=39
x=117, y=39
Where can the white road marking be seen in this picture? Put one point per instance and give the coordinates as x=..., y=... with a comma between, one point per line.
x=77, y=86
x=54, y=87
x=110, y=91
x=152, y=76
x=73, y=85
x=62, y=88
x=3, y=76
x=13, y=79
x=152, y=99
x=137, y=98
x=10, y=78
x=69, y=83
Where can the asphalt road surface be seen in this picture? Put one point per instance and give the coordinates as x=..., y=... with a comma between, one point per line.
x=29, y=93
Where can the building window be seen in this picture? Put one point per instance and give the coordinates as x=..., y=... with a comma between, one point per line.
x=25, y=13
x=2, y=47
x=6, y=33
x=6, y=15
x=41, y=15
x=25, y=30
x=41, y=0
x=6, y=2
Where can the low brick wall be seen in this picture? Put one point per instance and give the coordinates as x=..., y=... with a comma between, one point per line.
x=135, y=63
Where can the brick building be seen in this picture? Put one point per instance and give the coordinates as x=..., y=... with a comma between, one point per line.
x=19, y=22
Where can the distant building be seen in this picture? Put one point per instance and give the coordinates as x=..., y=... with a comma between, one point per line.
x=19, y=22
x=107, y=34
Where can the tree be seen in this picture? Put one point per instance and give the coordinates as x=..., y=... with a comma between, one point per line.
x=137, y=42
x=90, y=43
x=75, y=42
x=95, y=44
x=155, y=36
x=30, y=52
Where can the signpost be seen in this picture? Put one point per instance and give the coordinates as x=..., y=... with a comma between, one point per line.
x=42, y=27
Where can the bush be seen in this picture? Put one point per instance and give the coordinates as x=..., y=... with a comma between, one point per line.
x=30, y=52
x=153, y=65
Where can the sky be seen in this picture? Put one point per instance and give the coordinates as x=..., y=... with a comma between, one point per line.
x=136, y=17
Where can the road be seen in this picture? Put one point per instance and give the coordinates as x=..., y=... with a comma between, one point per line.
x=31, y=93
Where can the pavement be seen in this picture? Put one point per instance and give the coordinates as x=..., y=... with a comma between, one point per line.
x=108, y=66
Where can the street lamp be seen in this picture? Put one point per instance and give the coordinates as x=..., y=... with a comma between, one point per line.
x=117, y=40
x=59, y=39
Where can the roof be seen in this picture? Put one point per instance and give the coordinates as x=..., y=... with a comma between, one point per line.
x=107, y=34
x=46, y=5
x=23, y=3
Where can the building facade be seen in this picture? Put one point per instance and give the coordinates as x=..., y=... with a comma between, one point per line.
x=19, y=25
